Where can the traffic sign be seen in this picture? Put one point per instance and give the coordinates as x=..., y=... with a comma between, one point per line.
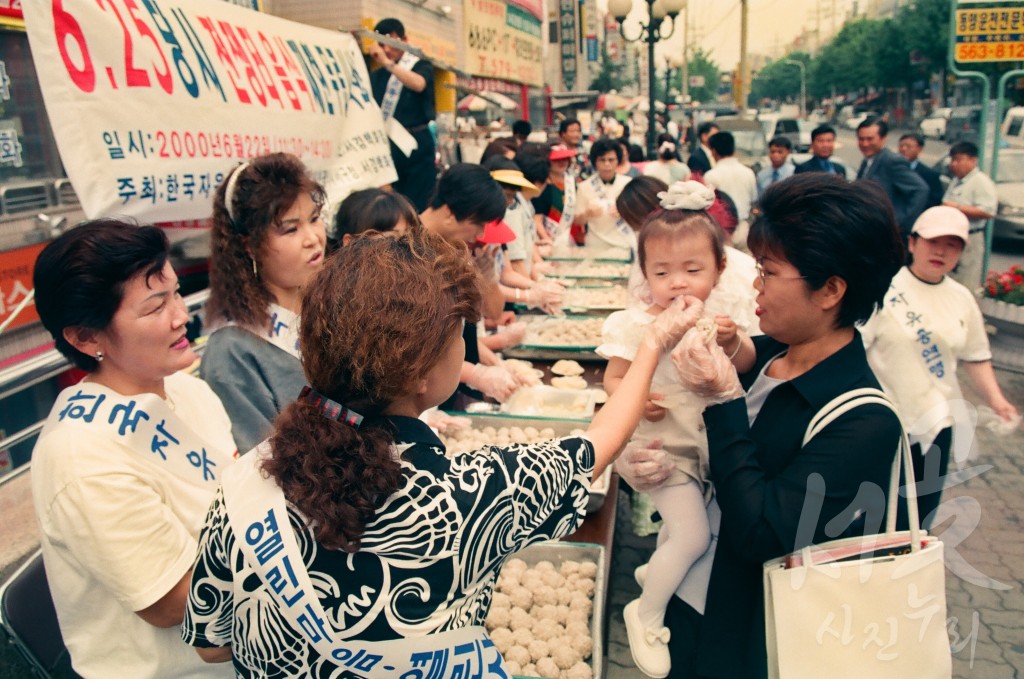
x=989, y=34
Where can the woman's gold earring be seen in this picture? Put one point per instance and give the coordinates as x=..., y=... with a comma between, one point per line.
x=254, y=271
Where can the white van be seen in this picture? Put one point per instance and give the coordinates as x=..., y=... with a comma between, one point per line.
x=1013, y=126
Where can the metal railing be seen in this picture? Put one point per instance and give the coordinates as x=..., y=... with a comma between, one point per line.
x=46, y=365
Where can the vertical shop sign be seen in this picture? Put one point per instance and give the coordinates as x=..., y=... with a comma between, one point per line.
x=567, y=32
x=591, y=22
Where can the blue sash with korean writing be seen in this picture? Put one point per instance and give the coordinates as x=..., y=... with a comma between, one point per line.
x=143, y=423
x=258, y=515
x=396, y=131
x=620, y=224
x=284, y=329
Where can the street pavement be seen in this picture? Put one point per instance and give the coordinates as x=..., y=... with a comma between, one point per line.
x=984, y=555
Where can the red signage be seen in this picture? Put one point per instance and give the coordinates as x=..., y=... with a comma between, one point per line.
x=16, y=268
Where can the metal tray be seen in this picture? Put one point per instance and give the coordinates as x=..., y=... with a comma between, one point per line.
x=562, y=427
x=556, y=552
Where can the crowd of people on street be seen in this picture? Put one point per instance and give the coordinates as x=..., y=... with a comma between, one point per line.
x=293, y=512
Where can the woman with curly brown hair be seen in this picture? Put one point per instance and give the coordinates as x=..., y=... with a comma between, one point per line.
x=355, y=494
x=268, y=241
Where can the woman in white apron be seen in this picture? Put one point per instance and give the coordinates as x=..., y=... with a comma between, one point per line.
x=126, y=466
x=350, y=544
x=268, y=240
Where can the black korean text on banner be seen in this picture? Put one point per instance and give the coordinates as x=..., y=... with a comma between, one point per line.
x=151, y=104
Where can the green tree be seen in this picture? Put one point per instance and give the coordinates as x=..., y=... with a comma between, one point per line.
x=610, y=76
x=848, y=61
x=779, y=80
x=701, y=64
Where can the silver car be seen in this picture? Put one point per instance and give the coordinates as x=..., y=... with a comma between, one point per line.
x=1009, y=221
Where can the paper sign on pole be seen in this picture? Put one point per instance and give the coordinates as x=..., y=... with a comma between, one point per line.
x=152, y=104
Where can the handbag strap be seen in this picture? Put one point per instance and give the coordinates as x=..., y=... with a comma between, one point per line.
x=843, y=404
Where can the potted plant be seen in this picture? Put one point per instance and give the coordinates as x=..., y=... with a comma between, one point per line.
x=1004, y=294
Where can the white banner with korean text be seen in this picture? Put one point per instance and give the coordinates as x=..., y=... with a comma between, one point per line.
x=153, y=103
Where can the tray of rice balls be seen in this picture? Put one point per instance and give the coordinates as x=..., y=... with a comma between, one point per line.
x=590, y=269
x=575, y=253
x=592, y=300
x=546, y=614
x=554, y=337
x=473, y=432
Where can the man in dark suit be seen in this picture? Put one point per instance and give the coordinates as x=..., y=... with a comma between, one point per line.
x=911, y=145
x=700, y=161
x=907, y=192
x=823, y=143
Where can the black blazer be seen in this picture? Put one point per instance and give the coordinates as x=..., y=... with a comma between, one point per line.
x=931, y=179
x=761, y=475
x=816, y=164
x=907, y=191
x=698, y=161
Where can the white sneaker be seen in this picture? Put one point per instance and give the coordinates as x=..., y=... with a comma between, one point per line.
x=648, y=646
x=640, y=575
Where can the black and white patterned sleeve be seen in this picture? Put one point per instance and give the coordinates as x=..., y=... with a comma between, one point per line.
x=540, y=490
x=209, y=611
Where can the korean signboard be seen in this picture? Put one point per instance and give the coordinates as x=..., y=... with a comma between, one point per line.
x=567, y=41
x=990, y=34
x=152, y=104
x=503, y=41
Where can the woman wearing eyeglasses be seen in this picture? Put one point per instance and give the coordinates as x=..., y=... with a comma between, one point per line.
x=826, y=251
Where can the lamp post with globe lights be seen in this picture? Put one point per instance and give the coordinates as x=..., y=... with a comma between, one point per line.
x=650, y=32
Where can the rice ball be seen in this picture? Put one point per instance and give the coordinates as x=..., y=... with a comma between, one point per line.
x=582, y=644
x=513, y=667
x=547, y=629
x=565, y=656
x=545, y=566
x=519, y=619
x=546, y=612
x=564, y=596
x=498, y=617
x=585, y=586
x=521, y=597
x=577, y=628
x=530, y=670
x=522, y=637
x=580, y=670
x=514, y=566
x=577, y=615
x=544, y=596
x=518, y=654
x=502, y=638
x=588, y=569
x=538, y=649
x=546, y=667
x=562, y=611
x=580, y=602
x=553, y=579
x=500, y=600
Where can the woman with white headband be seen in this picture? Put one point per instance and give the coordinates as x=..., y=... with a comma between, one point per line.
x=268, y=240
x=667, y=167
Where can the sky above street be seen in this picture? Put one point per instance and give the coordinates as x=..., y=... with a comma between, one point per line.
x=715, y=25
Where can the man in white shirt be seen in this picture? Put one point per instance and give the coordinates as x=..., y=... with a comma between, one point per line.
x=734, y=178
x=974, y=194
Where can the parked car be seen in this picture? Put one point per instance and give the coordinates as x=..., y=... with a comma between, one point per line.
x=963, y=124
x=1013, y=127
x=775, y=126
x=751, y=145
x=934, y=125
x=1008, y=224
x=853, y=121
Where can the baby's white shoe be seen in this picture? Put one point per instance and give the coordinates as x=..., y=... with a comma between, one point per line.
x=649, y=646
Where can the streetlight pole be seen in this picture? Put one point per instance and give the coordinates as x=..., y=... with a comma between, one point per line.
x=803, y=84
x=650, y=33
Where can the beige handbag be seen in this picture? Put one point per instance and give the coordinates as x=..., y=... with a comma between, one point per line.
x=871, y=607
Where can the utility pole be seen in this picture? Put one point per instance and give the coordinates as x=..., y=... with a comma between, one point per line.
x=740, y=96
x=686, y=56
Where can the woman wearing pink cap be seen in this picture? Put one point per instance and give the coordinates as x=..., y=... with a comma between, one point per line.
x=928, y=324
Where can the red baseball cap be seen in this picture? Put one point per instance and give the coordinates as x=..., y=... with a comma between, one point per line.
x=497, y=232
x=561, y=152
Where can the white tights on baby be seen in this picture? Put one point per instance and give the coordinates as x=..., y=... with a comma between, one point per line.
x=683, y=538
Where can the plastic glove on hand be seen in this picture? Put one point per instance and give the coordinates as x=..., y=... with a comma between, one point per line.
x=703, y=366
x=547, y=296
x=512, y=335
x=672, y=323
x=442, y=421
x=644, y=465
x=495, y=381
